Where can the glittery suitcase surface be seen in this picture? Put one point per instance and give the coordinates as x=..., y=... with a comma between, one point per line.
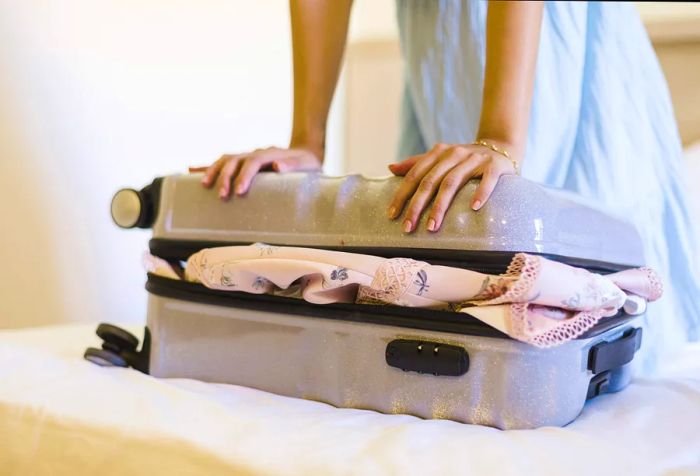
x=431, y=364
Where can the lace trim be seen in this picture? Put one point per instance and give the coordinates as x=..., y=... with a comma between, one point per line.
x=524, y=267
x=656, y=286
x=391, y=281
x=566, y=330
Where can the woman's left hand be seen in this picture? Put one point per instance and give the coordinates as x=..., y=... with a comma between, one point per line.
x=441, y=173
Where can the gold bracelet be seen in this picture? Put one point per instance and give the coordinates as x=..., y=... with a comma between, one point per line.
x=499, y=150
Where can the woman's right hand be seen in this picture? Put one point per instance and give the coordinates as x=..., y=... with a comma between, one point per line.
x=237, y=170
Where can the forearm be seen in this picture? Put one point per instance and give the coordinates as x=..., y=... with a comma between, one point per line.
x=319, y=34
x=512, y=42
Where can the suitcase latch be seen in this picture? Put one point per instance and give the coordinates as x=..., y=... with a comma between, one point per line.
x=598, y=385
x=612, y=355
x=427, y=357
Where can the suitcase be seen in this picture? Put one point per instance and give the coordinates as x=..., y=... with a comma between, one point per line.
x=428, y=363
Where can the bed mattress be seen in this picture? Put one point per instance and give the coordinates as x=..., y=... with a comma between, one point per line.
x=62, y=415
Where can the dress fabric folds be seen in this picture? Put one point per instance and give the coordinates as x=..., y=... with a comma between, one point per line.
x=601, y=125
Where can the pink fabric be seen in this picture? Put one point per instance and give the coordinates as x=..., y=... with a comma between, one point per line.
x=332, y=276
x=644, y=282
x=538, y=301
x=159, y=266
x=541, y=326
x=552, y=303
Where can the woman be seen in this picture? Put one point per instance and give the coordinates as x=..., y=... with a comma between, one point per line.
x=571, y=93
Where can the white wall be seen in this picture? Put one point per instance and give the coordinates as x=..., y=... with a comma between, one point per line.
x=100, y=94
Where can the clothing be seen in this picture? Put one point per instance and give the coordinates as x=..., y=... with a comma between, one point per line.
x=601, y=125
x=538, y=301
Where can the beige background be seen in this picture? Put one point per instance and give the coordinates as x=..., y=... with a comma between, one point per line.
x=101, y=94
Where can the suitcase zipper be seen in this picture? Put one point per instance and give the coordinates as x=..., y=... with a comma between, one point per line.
x=490, y=262
x=415, y=318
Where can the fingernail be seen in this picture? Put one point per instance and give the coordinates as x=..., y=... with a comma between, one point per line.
x=476, y=205
x=205, y=180
x=407, y=225
x=222, y=193
x=392, y=212
x=238, y=189
x=431, y=225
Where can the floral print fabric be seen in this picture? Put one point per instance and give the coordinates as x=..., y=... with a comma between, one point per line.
x=538, y=301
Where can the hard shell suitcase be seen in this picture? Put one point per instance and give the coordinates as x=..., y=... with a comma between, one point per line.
x=428, y=363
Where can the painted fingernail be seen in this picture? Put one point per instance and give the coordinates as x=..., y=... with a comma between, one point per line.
x=407, y=225
x=392, y=212
x=431, y=225
x=476, y=205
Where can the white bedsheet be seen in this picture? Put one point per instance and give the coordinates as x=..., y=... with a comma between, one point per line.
x=62, y=415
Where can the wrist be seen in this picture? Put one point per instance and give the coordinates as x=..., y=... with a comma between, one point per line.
x=515, y=148
x=313, y=141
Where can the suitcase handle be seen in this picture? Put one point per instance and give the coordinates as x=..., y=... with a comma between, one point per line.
x=614, y=354
x=136, y=208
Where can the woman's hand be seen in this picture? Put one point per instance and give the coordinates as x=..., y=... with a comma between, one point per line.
x=238, y=170
x=441, y=173
x=512, y=43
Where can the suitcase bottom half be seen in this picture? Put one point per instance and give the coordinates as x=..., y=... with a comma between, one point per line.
x=491, y=381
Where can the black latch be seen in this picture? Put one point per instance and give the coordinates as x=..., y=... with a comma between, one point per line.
x=598, y=385
x=612, y=355
x=427, y=357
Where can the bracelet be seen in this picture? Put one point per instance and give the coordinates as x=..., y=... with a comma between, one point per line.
x=499, y=150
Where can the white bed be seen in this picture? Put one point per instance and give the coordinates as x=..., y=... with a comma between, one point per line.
x=62, y=415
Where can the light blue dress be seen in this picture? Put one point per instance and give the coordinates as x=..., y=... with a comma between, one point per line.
x=601, y=125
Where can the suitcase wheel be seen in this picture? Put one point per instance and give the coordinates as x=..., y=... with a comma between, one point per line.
x=104, y=358
x=119, y=349
x=117, y=339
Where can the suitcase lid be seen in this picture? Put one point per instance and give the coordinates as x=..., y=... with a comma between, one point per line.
x=313, y=210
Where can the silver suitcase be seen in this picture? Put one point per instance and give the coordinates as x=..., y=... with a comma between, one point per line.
x=428, y=363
